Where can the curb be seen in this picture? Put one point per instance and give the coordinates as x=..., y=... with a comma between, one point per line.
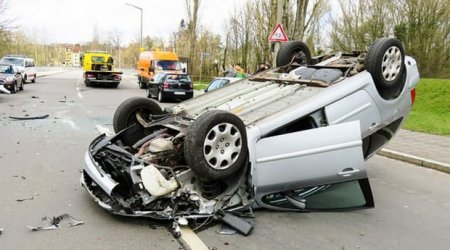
x=423, y=162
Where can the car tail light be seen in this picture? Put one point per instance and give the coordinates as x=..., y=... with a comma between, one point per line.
x=413, y=96
x=166, y=85
x=89, y=75
x=117, y=77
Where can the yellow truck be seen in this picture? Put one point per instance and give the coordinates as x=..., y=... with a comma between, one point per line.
x=152, y=62
x=98, y=69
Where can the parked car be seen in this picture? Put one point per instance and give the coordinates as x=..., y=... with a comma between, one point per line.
x=220, y=82
x=293, y=138
x=10, y=78
x=25, y=65
x=173, y=86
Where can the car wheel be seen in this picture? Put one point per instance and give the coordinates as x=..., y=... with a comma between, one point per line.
x=296, y=51
x=21, y=85
x=385, y=61
x=148, y=93
x=142, y=85
x=14, y=88
x=25, y=78
x=131, y=110
x=216, y=145
x=34, y=79
x=161, y=97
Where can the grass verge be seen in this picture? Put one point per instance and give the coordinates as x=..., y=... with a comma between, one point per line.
x=431, y=110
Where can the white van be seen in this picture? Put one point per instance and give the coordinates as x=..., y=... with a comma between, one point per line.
x=25, y=65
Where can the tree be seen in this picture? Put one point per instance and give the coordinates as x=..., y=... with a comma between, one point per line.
x=6, y=28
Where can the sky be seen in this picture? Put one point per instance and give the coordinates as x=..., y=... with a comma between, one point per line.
x=74, y=21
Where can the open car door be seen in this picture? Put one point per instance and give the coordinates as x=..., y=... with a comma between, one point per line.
x=315, y=169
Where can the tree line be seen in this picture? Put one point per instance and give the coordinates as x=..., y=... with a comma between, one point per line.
x=347, y=25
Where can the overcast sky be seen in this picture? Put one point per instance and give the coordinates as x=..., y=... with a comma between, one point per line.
x=74, y=21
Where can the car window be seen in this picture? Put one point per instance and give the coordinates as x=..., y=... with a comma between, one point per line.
x=168, y=65
x=224, y=82
x=344, y=195
x=215, y=84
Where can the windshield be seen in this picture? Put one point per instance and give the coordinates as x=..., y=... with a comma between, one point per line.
x=14, y=61
x=168, y=65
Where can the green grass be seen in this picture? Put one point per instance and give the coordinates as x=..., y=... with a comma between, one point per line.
x=200, y=85
x=431, y=110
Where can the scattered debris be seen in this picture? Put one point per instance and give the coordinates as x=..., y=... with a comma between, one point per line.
x=65, y=100
x=26, y=198
x=21, y=176
x=27, y=117
x=226, y=230
x=35, y=97
x=1, y=230
x=53, y=222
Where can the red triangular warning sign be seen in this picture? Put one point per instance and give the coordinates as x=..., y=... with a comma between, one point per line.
x=278, y=34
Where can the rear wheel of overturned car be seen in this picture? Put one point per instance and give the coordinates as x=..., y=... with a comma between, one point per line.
x=294, y=51
x=216, y=145
x=135, y=110
x=385, y=61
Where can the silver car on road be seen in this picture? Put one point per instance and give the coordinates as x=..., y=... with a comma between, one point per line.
x=294, y=138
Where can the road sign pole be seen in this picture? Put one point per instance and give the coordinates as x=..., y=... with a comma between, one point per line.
x=277, y=44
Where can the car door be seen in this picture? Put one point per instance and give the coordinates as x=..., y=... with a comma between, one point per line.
x=315, y=169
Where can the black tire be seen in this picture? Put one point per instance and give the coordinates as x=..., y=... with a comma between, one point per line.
x=115, y=85
x=293, y=49
x=25, y=78
x=87, y=83
x=125, y=114
x=385, y=61
x=34, y=79
x=147, y=93
x=202, y=158
x=142, y=84
x=161, y=96
x=14, y=88
x=21, y=86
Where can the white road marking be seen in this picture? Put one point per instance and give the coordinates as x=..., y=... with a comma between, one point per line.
x=103, y=130
x=80, y=95
x=191, y=239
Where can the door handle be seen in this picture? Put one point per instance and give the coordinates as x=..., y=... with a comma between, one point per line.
x=348, y=172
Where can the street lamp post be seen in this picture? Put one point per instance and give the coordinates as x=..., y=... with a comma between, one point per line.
x=142, y=15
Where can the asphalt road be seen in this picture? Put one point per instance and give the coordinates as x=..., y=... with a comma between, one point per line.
x=43, y=158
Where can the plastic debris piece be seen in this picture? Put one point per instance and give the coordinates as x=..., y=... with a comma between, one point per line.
x=26, y=198
x=51, y=223
x=1, y=230
x=29, y=117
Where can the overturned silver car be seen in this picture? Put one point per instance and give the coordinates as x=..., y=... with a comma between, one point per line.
x=294, y=138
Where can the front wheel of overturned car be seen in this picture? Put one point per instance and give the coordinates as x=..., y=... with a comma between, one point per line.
x=135, y=110
x=216, y=145
x=385, y=61
x=294, y=51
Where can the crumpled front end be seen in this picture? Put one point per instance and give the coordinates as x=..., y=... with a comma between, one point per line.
x=148, y=177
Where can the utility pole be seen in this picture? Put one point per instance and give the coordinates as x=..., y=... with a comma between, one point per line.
x=277, y=44
x=142, y=16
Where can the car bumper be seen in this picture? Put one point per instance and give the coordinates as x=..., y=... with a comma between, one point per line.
x=180, y=94
x=4, y=90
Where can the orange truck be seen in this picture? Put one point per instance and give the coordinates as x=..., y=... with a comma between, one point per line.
x=152, y=62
